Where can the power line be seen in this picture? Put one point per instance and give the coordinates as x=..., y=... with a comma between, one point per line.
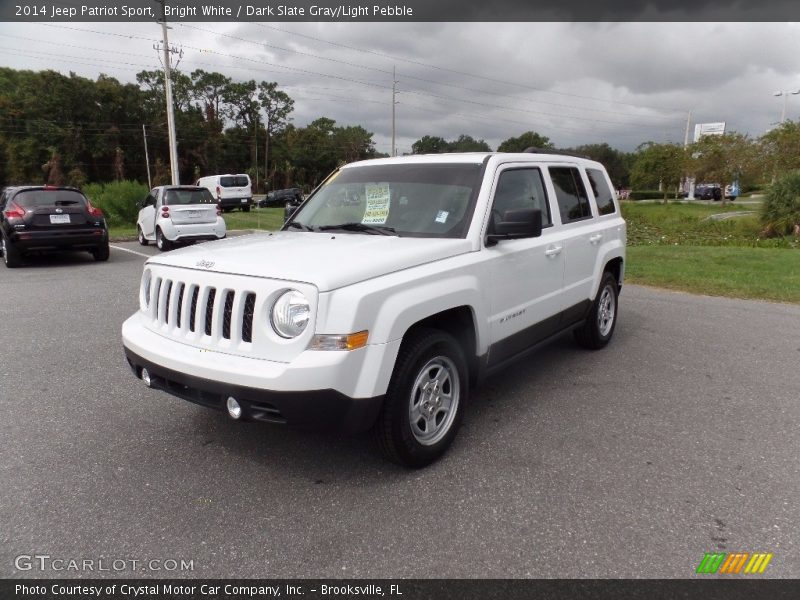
x=494, y=93
x=371, y=84
x=466, y=73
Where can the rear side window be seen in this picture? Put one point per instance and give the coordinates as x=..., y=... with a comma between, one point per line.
x=573, y=203
x=602, y=193
x=234, y=181
x=521, y=188
x=177, y=197
x=37, y=198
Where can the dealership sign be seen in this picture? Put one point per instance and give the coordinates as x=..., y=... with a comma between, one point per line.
x=701, y=129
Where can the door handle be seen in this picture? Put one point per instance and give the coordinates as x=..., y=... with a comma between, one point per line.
x=553, y=250
x=595, y=238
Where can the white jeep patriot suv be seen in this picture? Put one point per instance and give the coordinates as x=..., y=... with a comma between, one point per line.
x=395, y=288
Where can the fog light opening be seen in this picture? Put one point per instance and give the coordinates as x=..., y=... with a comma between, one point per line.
x=234, y=408
x=146, y=378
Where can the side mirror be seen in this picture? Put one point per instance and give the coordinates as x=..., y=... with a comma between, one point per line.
x=516, y=224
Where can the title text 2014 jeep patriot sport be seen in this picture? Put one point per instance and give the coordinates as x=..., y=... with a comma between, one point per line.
x=396, y=286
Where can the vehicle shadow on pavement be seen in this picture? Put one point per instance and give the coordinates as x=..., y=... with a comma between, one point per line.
x=63, y=259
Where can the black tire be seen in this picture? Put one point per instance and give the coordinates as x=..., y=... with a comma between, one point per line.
x=246, y=208
x=424, y=351
x=596, y=332
x=102, y=252
x=11, y=256
x=162, y=243
x=140, y=234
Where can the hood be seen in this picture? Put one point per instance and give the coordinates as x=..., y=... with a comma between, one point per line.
x=326, y=260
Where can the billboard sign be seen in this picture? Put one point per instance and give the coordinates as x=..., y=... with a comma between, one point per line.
x=701, y=129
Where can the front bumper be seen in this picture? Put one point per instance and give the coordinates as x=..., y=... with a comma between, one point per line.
x=316, y=410
x=308, y=393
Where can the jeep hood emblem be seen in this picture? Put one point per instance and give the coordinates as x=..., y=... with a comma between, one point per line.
x=206, y=264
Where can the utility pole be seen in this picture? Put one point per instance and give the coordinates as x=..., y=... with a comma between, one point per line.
x=688, y=184
x=394, y=102
x=173, y=148
x=255, y=143
x=686, y=135
x=147, y=158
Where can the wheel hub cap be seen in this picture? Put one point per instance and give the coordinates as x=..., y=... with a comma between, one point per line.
x=434, y=400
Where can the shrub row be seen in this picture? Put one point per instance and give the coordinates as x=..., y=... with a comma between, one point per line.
x=117, y=199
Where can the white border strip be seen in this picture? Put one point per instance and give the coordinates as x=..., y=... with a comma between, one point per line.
x=131, y=251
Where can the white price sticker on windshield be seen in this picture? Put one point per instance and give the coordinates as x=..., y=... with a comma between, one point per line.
x=377, y=204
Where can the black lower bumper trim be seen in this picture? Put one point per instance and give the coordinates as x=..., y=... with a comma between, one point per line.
x=316, y=410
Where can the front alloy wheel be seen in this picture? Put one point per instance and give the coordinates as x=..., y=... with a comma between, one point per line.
x=424, y=403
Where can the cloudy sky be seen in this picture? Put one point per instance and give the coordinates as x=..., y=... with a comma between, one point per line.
x=577, y=83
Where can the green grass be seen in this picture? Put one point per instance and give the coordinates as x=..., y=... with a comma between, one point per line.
x=688, y=224
x=269, y=219
x=760, y=273
x=675, y=246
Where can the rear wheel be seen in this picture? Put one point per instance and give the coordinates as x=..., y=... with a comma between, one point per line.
x=102, y=252
x=246, y=208
x=162, y=243
x=140, y=234
x=11, y=256
x=424, y=403
x=596, y=332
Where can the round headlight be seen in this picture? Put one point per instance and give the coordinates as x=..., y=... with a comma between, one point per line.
x=144, y=290
x=290, y=314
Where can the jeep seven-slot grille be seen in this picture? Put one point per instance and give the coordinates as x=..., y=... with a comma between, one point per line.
x=222, y=313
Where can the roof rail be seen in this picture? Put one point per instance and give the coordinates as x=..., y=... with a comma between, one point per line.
x=534, y=150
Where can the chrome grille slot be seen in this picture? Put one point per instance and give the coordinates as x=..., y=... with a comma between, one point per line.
x=209, y=311
x=247, y=317
x=227, y=312
x=193, y=307
x=168, y=286
x=156, y=292
x=179, y=301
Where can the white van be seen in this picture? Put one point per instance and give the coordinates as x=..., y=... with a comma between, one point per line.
x=230, y=191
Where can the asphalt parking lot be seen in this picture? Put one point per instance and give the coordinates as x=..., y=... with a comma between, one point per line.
x=680, y=438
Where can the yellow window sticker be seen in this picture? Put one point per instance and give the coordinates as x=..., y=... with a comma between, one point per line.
x=377, y=204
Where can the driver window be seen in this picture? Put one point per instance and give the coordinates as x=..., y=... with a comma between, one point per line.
x=519, y=189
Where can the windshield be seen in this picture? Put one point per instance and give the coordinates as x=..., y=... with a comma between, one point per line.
x=234, y=181
x=198, y=196
x=417, y=200
x=37, y=198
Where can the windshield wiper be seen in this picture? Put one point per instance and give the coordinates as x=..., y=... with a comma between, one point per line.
x=297, y=225
x=365, y=227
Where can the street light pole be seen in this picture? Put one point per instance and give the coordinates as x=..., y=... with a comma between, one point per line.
x=785, y=94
